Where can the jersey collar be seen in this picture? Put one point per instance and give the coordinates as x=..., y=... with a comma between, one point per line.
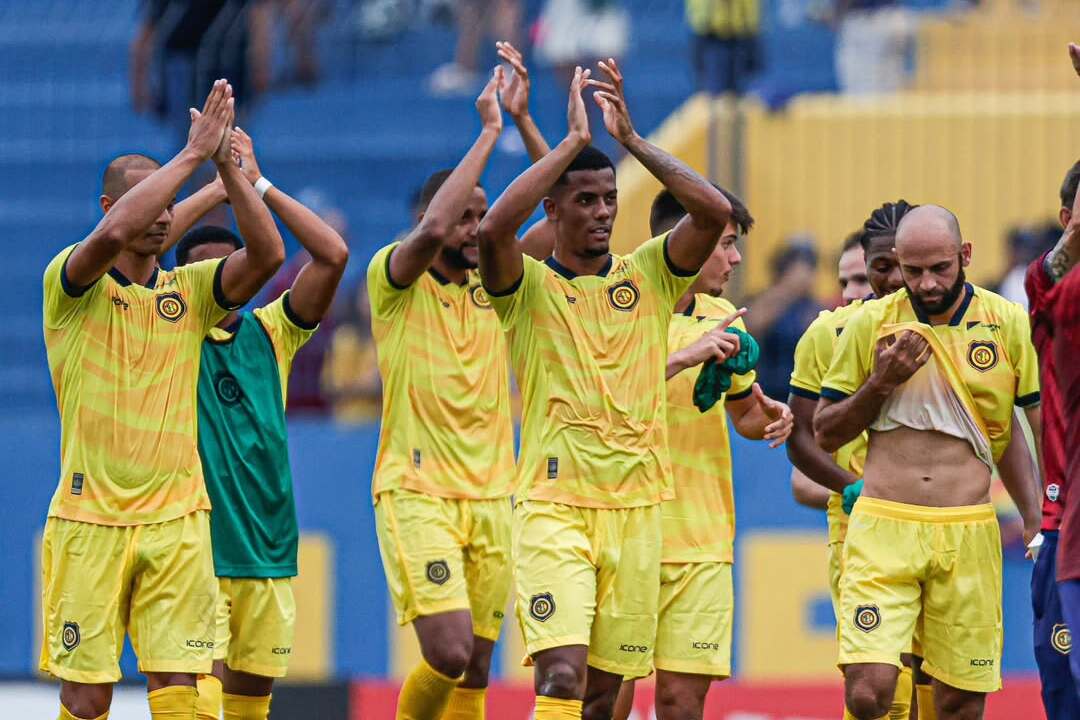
x=689, y=311
x=969, y=293
x=569, y=274
x=443, y=280
x=123, y=281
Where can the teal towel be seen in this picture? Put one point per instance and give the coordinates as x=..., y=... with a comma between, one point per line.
x=715, y=379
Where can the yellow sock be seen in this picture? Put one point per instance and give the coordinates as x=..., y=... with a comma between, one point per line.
x=245, y=707
x=175, y=702
x=849, y=716
x=549, y=708
x=65, y=714
x=925, y=693
x=424, y=694
x=901, y=704
x=208, y=706
x=465, y=704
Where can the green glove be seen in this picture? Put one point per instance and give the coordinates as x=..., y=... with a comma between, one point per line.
x=715, y=379
x=851, y=494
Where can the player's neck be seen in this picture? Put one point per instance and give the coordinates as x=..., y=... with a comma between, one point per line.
x=136, y=268
x=581, y=264
x=684, y=302
x=455, y=275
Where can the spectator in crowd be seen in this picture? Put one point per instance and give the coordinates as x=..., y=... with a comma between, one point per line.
x=779, y=316
x=301, y=19
x=580, y=32
x=474, y=19
x=350, y=374
x=873, y=44
x=1025, y=244
x=726, y=49
x=182, y=45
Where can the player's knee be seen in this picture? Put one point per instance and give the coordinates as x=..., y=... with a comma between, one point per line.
x=677, y=703
x=451, y=658
x=959, y=704
x=601, y=706
x=560, y=679
x=867, y=700
x=86, y=701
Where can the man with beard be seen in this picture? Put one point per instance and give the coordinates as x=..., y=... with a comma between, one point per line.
x=932, y=373
x=588, y=335
x=445, y=465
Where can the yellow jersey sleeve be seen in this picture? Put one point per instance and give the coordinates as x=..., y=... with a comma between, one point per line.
x=1025, y=361
x=511, y=304
x=62, y=300
x=652, y=260
x=386, y=296
x=287, y=333
x=852, y=360
x=813, y=356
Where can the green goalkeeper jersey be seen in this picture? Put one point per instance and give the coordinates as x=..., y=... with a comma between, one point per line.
x=243, y=441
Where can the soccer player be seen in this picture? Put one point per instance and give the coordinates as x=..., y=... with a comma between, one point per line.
x=243, y=443
x=1053, y=640
x=445, y=465
x=126, y=546
x=933, y=374
x=588, y=337
x=693, y=637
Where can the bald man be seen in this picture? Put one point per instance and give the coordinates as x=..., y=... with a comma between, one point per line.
x=126, y=547
x=932, y=372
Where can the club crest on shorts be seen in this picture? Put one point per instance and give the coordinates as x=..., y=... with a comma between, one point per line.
x=70, y=636
x=1061, y=638
x=867, y=617
x=479, y=297
x=542, y=606
x=438, y=572
x=623, y=296
x=982, y=355
x=171, y=306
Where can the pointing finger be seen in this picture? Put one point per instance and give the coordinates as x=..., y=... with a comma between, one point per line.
x=726, y=322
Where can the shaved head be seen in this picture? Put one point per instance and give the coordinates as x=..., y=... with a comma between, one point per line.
x=928, y=226
x=125, y=172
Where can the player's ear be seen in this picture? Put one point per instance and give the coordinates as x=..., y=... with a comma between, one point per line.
x=551, y=209
x=106, y=203
x=965, y=254
x=1065, y=216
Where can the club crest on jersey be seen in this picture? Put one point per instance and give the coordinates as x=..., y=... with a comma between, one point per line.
x=227, y=388
x=542, y=606
x=70, y=636
x=1053, y=492
x=1061, y=638
x=480, y=297
x=438, y=572
x=982, y=355
x=624, y=295
x=171, y=306
x=867, y=617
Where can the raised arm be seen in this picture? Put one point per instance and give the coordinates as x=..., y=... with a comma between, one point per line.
x=314, y=288
x=129, y=217
x=247, y=269
x=414, y=255
x=708, y=211
x=501, y=265
x=813, y=462
x=515, y=99
x=190, y=210
x=1019, y=475
x=838, y=423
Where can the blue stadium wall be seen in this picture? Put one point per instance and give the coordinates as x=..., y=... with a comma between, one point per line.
x=784, y=625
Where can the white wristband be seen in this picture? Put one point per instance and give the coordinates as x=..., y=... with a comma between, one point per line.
x=262, y=185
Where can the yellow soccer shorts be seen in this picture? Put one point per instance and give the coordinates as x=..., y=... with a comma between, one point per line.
x=443, y=554
x=254, y=626
x=901, y=561
x=155, y=582
x=589, y=576
x=836, y=571
x=693, y=634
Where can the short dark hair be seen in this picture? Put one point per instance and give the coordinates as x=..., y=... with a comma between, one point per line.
x=589, y=158
x=884, y=221
x=852, y=241
x=114, y=181
x=1069, y=187
x=430, y=187
x=667, y=210
x=205, y=235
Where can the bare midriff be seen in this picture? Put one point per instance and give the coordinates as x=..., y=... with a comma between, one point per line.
x=924, y=467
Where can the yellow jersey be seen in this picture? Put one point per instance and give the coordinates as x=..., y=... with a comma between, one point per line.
x=724, y=18
x=699, y=524
x=813, y=356
x=590, y=355
x=124, y=360
x=446, y=424
x=984, y=353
